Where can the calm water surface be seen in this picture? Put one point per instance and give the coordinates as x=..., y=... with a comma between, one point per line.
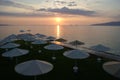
x=91, y=35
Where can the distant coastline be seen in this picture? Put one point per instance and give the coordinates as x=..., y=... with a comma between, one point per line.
x=5, y=25
x=115, y=23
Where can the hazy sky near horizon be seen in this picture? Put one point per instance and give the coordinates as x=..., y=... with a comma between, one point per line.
x=45, y=11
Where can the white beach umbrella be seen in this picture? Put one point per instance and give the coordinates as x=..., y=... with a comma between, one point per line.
x=61, y=40
x=12, y=36
x=33, y=68
x=112, y=68
x=76, y=54
x=26, y=37
x=40, y=35
x=22, y=30
x=100, y=47
x=51, y=38
x=10, y=45
x=15, y=52
x=28, y=30
x=9, y=38
x=39, y=42
x=76, y=43
x=29, y=38
x=54, y=47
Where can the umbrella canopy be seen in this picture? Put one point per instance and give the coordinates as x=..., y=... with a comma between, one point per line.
x=26, y=37
x=29, y=30
x=61, y=40
x=10, y=45
x=39, y=42
x=22, y=30
x=112, y=68
x=9, y=38
x=15, y=52
x=76, y=43
x=40, y=35
x=53, y=47
x=33, y=68
x=76, y=54
x=100, y=47
x=51, y=38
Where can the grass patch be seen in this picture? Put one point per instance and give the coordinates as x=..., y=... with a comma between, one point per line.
x=89, y=69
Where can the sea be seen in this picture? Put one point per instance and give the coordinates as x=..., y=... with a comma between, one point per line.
x=90, y=35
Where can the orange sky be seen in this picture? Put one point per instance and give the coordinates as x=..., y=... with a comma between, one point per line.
x=71, y=12
x=51, y=20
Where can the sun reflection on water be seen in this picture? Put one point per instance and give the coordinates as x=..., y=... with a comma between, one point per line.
x=58, y=31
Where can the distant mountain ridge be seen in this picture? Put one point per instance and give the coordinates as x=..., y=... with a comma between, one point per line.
x=115, y=23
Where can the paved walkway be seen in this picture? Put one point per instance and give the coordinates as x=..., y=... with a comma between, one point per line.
x=101, y=54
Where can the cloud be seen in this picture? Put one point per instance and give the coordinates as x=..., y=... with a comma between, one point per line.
x=15, y=4
x=26, y=14
x=65, y=3
x=116, y=17
x=72, y=4
x=60, y=2
x=66, y=10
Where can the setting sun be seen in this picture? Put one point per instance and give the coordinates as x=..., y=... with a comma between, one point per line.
x=58, y=19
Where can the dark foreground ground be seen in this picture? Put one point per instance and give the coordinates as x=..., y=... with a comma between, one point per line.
x=89, y=69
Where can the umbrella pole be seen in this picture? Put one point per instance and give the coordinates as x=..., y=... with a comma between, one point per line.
x=30, y=47
x=53, y=57
x=11, y=58
x=16, y=61
x=25, y=43
x=76, y=46
x=75, y=68
x=35, y=77
x=6, y=50
x=75, y=62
